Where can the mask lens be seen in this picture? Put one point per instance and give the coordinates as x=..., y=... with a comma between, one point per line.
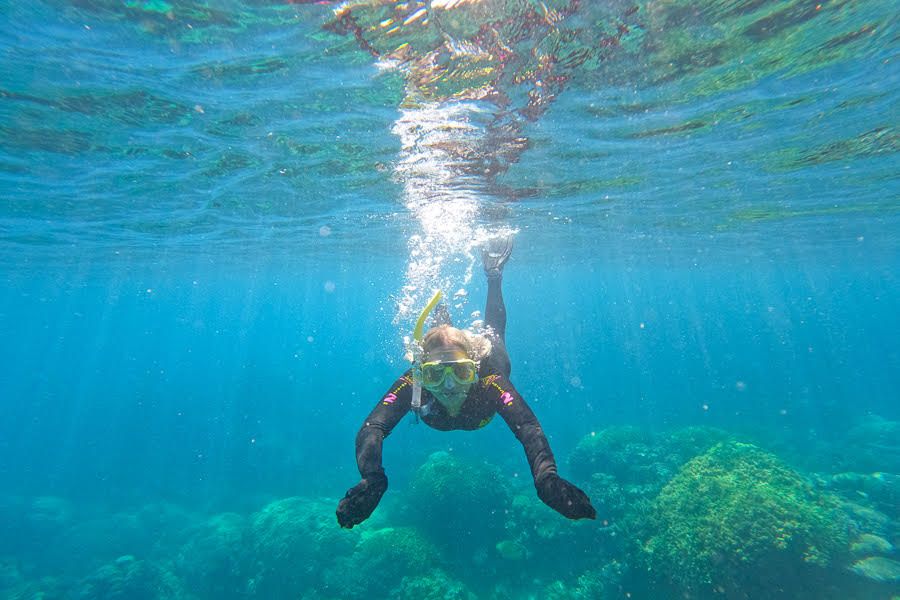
x=464, y=372
x=432, y=374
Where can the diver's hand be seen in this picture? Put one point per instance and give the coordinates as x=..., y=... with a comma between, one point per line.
x=564, y=498
x=361, y=500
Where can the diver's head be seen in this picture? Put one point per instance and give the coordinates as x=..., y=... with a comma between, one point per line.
x=448, y=368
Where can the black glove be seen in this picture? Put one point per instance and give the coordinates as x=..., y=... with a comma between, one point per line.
x=361, y=500
x=564, y=498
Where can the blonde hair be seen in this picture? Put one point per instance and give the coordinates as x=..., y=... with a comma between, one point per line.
x=475, y=346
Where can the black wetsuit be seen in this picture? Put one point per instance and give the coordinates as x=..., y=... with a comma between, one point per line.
x=491, y=394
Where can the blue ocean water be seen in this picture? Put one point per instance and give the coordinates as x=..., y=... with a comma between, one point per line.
x=220, y=220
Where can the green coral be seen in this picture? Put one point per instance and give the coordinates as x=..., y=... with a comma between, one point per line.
x=602, y=582
x=546, y=544
x=636, y=456
x=872, y=444
x=881, y=490
x=382, y=558
x=878, y=568
x=684, y=444
x=868, y=544
x=624, y=466
x=45, y=588
x=460, y=504
x=435, y=585
x=130, y=579
x=290, y=542
x=624, y=452
x=736, y=519
x=211, y=561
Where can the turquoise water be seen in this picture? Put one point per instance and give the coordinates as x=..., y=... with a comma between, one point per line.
x=219, y=222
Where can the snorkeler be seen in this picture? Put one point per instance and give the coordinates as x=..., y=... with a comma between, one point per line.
x=461, y=382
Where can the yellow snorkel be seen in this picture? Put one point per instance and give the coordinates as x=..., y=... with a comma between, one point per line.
x=420, y=324
x=417, y=351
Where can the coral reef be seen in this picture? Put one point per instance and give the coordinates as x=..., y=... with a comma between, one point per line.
x=683, y=444
x=878, y=568
x=868, y=544
x=594, y=584
x=130, y=579
x=31, y=528
x=737, y=521
x=552, y=542
x=447, y=489
x=868, y=520
x=871, y=445
x=211, y=563
x=49, y=513
x=637, y=457
x=881, y=489
x=99, y=537
x=626, y=453
x=691, y=513
x=435, y=585
x=381, y=559
x=626, y=466
x=289, y=542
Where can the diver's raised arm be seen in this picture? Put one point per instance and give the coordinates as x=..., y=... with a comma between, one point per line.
x=360, y=500
x=557, y=493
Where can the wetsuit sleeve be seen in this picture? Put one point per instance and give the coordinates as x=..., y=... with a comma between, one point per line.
x=522, y=422
x=378, y=425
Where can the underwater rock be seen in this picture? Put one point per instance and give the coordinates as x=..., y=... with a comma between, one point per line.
x=210, y=562
x=881, y=489
x=15, y=585
x=10, y=576
x=44, y=588
x=624, y=452
x=292, y=543
x=168, y=523
x=634, y=456
x=626, y=465
x=152, y=530
x=869, y=520
x=559, y=543
x=49, y=513
x=873, y=444
x=868, y=544
x=593, y=584
x=68, y=540
x=736, y=519
x=878, y=568
x=13, y=511
x=614, y=500
x=511, y=550
x=130, y=579
x=31, y=526
x=684, y=444
x=97, y=540
x=382, y=557
x=604, y=582
x=436, y=585
x=460, y=504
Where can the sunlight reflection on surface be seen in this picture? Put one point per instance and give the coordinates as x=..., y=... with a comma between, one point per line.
x=443, y=203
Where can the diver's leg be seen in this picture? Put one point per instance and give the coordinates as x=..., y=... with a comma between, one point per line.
x=495, y=308
x=494, y=256
x=495, y=319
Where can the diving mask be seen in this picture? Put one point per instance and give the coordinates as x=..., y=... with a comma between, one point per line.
x=435, y=373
